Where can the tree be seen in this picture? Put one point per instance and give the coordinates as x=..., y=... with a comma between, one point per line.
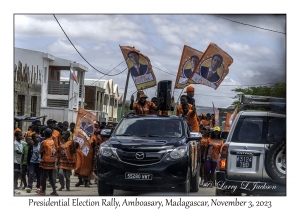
x=278, y=90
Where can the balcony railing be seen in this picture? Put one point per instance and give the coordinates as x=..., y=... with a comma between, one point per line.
x=58, y=87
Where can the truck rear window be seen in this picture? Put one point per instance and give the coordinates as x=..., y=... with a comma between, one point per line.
x=249, y=129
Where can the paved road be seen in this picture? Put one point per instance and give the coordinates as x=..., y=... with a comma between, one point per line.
x=92, y=191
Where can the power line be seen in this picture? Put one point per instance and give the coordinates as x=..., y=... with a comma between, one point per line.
x=210, y=95
x=164, y=71
x=82, y=55
x=250, y=25
x=106, y=75
x=250, y=85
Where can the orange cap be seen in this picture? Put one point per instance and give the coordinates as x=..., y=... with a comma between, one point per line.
x=189, y=89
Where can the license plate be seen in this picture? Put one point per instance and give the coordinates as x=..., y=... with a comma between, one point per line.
x=138, y=176
x=243, y=162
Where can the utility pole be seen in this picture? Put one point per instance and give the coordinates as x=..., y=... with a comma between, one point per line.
x=125, y=93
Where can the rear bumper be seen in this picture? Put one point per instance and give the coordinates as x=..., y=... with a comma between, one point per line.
x=236, y=187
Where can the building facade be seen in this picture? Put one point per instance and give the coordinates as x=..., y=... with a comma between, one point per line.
x=41, y=71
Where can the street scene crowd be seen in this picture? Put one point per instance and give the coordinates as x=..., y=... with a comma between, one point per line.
x=45, y=155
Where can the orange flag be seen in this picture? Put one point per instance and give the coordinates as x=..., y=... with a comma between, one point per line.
x=227, y=125
x=212, y=68
x=84, y=129
x=140, y=68
x=232, y=117
x=190, y=58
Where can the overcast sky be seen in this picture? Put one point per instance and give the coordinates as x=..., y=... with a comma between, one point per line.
x=259, y=56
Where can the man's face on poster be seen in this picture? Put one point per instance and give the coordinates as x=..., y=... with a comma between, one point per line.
x=194, y=62
x=134, y=57
x=215, y=63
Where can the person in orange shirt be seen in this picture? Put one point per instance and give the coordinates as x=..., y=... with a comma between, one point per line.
x=143, y=106
x=31, y=130
x=183, y=99
x=190, y=116
x=47, y=163
x=57, y=139
x=85, y=159
x=152, y=111
x=55, y=133
x=203, y=148
x=214, y=147
x=66, y=159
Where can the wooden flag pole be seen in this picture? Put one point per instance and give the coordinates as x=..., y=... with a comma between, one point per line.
x=125, y=92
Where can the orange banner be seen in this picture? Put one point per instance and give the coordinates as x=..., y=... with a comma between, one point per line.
x=190, y=58
x=140, y=68
x=232, y=117
x=84, y=129
x=227, y=125
x=212, y=68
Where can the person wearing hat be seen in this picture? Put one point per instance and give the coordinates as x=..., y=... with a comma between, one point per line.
x=214, y=147
x=143, y=106
x=190, y=95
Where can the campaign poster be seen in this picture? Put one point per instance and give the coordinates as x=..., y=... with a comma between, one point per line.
x=189, y=60
x=140, y=68
x=212, y=68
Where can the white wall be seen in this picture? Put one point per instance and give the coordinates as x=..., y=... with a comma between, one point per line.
x=34, y=58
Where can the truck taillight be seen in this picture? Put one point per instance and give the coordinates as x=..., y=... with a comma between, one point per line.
x=222, y=164
x=223, y=157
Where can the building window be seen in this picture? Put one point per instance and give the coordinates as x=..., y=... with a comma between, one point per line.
x=116, y=104
x=57, y=103
x=111, y=102
x=21, y=105
x=33, y=106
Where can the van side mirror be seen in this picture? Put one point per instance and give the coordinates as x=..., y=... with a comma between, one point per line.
x=195, y=136
x=224, y=134
x=106, y=133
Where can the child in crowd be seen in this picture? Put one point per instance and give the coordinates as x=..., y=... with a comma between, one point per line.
x=18, y=148
x=34, y=158
x=24, y=164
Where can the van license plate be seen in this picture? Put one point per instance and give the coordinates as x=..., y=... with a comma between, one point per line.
x=243, y=162
x=138, y=176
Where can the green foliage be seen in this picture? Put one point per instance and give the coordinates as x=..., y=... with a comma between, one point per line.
x=278, y=90
x=126, y=108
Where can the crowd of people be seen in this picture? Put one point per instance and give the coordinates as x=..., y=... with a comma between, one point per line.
x=211, y=142
x=46, y=155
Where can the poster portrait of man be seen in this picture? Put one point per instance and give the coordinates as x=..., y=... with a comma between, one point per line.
x=212, y=69
x=190, y=65
x=139, y=64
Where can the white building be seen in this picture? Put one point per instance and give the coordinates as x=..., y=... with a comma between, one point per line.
x=101, y=97
x=59, y=100
x=59, y=96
